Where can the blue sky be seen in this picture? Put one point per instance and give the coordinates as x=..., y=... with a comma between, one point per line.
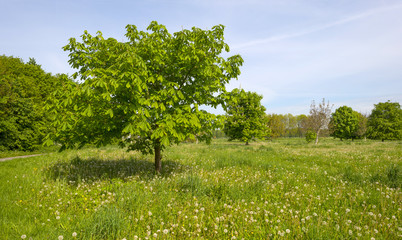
x=346, y=51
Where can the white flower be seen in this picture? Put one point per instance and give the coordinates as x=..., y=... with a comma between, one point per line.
x=58, y=217
x=60, y=237
x=287, y=230
x=225, y=230
x=155, y=235
x=74, y=234
x=149, y=213
x=165, y=231
x=23, y=236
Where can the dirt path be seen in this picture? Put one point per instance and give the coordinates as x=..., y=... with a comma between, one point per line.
x=11, y=158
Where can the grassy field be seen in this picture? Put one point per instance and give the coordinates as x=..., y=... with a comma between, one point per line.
x=283, y=189
x=42, y=150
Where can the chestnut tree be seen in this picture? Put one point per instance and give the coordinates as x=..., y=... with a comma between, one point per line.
x=145, y=91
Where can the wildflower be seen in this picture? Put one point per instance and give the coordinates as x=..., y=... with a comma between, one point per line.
x=60, y=237
x=225, y=230
x=23, y=236
x=74, y=234
x=165, y=231
x=287, y=230
x=58, y=217
x=149, y=213
x=155, y=235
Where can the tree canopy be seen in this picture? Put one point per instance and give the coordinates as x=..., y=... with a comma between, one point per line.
x=146, y=91
x=344, y=123
x=385, y=121
x=245, y=116
x=24, y=88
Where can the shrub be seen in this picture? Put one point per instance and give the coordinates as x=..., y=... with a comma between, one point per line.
x=310, y=136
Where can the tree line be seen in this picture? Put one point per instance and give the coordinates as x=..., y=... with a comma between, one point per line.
x=248, y=121
x=145, y=94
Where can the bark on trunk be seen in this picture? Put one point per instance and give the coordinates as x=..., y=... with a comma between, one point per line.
x=158, y=158
x=316, y=138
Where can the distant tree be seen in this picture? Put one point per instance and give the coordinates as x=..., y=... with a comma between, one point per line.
x=301, y=124
x=276, y=125
x=385, y=121
x=146, y=91
x=319, y=117
x=245, y=116
x=290, y=122
x=24, y=88
x=344, y=123
x=361, y=131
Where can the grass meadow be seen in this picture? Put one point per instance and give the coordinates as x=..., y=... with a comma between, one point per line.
x=284, y=189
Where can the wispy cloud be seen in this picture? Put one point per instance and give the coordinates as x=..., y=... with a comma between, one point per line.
x=316, y=28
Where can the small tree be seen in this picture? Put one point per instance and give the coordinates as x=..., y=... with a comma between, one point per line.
x=344, y=123
x=245, y=116
x=319, y=117
x=385, y=121
x=146, y=91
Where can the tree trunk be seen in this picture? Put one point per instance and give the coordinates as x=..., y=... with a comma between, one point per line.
x=158, y=158
x=316, y=138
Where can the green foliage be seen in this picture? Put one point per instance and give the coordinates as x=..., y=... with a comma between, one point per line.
x=310, y=136
x=361, y=131
x=385, y=121
x=276, y=125
x=24, y=89
x=344, y=123
x=245, y=116
x=146, y=91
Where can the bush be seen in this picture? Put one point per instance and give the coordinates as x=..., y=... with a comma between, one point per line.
x=310, y=136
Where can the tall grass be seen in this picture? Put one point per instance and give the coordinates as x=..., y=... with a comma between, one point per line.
x=284, y=189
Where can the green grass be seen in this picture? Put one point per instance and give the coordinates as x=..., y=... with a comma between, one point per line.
x=6, y=154
x=284, y=189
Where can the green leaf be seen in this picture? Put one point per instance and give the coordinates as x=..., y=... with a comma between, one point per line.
x=128, y=128
x=110, y=112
